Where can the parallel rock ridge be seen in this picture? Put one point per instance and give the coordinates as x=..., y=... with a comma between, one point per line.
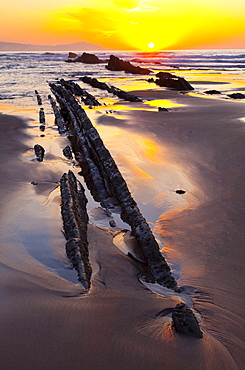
x=106, y=183
x=75, y=220
x=111, y=89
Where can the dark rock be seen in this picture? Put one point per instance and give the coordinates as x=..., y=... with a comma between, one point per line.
x=75, y=220
x=39, y=151
x=161, y=109
x=178, y=83
x=39, y=99
x=185, y=322
x=67, y=152
x=42, y=128
x=34, y=183
x=116, y=64
x=106, y=183
x=59, y=119
x=180, y=191
x=212, y=92
x=165, y=75
x=42, y=116
x=87, y=98
x=87, y=58
x=112, y=223
x=151, y=80
x=236, y=96
x=72, y=55
x=111, y=89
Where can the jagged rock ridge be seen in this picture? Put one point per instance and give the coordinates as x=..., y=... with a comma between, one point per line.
x=75, y=220
x=105, y=181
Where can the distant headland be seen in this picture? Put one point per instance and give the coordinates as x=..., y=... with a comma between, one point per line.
x=78, y=46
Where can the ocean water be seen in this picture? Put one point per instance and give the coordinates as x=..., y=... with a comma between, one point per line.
x=195, y=257
x=22, y=73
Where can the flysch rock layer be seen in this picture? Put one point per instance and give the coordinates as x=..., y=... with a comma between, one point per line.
x=75, y=220
x=105, y=181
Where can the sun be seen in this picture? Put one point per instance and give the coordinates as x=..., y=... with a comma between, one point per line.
x=151, y=45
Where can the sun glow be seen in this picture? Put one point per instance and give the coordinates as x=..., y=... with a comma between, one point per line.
x=126, y=24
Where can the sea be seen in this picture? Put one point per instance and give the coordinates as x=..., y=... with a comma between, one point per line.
x=21, y=73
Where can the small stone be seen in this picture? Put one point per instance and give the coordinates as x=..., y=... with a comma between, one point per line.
x=112, y=223
x=179, y=191
x=34, y=183
x=161, y=109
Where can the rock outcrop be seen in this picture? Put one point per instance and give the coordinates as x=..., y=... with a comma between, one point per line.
x=185, y=322
x=76, y=90
x=178, y=83
x=72, y=55
x=75, y=220
x=165, y=75
x=106, y=183
x=111, y=89
x=86, y=58
x=116, y=64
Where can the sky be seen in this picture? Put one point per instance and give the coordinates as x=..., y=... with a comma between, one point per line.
x=126, y=24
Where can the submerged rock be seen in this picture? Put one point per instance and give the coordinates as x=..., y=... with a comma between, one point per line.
x=39, y=151
x=116, y=64
x=185, y=322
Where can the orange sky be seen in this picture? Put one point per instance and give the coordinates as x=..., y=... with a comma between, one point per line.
x=126, y=24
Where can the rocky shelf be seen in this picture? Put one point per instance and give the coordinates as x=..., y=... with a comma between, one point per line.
x=105, y=181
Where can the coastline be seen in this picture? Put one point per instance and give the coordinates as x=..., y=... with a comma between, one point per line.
x=190, y=142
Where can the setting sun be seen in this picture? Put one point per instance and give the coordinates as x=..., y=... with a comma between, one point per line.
x=126, y=24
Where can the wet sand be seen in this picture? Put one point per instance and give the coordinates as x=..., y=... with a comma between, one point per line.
x=46, y=323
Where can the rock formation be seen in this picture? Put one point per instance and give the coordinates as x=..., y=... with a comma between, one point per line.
x=111, y=89
x=116, y=64
x=76, y=90
x=185, y=322
x=72, y=55
x=178, y=83
x=106, y=183
x=75, y=220
x=86, y=58
x=165, y=75
x=39, y=99
x=39, y=151
x=212, y=92
x=236, y=96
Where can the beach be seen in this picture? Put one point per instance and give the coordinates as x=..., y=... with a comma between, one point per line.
x=198, y=147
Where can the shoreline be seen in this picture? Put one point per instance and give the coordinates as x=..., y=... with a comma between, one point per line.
x=171, y=131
